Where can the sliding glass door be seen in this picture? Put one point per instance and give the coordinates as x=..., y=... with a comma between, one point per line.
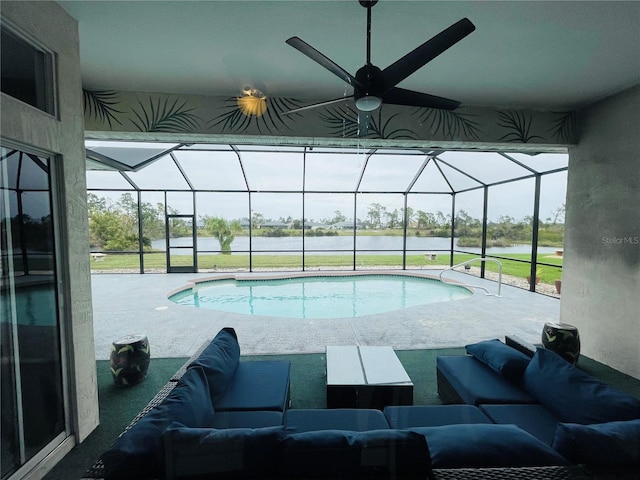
x=32, y=388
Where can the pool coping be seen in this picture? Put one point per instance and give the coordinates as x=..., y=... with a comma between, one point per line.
x=191, y=284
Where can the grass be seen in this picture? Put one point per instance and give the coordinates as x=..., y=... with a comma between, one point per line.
x=516, y=265
x=512, y=264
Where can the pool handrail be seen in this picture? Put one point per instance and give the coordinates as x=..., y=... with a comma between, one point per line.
x=483, y=259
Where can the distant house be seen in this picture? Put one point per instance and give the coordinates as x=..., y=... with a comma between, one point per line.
x=313, y=225
x=346, y=226
x=274, y=225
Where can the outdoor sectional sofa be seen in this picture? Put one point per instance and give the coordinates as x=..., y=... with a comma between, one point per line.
x=224, y=418
x=582, y=418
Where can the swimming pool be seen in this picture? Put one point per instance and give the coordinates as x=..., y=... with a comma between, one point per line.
x=318, y=296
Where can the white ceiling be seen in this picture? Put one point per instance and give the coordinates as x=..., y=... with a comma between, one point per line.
x=557, y=54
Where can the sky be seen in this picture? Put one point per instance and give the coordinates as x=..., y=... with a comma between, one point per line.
x=339, y=173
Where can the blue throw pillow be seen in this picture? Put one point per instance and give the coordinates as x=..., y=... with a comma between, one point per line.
x=599, y=444
x=573, y=395
x=136, y=453
x=226, y=453
x=486, y=445
x=219, y=361
x=380, y=454
x=507, y=361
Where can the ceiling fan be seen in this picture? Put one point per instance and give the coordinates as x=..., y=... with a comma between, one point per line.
x=372, y=87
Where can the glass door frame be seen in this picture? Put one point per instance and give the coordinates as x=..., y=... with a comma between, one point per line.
x=60, y=282
x=193, y=268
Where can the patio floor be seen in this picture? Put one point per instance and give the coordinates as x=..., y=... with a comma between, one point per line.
x=132, y=303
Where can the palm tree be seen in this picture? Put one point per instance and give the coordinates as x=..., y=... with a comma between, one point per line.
x=224, y=232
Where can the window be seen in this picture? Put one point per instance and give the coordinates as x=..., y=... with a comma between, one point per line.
x=26, y=72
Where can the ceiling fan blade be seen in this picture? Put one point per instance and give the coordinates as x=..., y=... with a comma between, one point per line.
x=363, y=123
x=316, y=105
x=400, y=96
x=419, y=57
x=321, y=59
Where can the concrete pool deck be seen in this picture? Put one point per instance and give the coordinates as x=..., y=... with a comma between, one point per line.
x=132, y=303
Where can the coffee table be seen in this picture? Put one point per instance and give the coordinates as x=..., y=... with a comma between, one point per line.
x=366, y=377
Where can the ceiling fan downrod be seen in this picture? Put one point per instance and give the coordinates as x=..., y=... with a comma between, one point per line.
x=368, y=4
x=365, y=100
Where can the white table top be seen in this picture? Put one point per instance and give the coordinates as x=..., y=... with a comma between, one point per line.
x=382, y=366
x=364, y=365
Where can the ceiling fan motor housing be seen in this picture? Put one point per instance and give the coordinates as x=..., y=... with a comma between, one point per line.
x=368, y=97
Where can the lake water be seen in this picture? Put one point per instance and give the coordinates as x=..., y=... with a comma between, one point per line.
x=332, y=245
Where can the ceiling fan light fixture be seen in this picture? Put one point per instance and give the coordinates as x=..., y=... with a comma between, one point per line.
x=252, y=102
x=368, y=103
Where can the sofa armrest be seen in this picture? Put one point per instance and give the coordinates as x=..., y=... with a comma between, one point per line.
x=463, y=379
x=521, y=345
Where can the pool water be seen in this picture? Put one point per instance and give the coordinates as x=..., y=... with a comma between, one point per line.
x=34, y=305
x=319, y=296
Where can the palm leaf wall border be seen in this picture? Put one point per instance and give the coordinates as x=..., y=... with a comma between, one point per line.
x=170, y=113
x=518, y=124
x=162, y=115
x=565, y=126
x=100, y=105
x=448, y=123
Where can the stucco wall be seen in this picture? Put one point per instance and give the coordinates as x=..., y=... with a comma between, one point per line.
x=601, y=278
x=63, y=136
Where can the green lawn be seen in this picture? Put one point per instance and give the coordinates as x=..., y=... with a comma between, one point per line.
x=113, y=262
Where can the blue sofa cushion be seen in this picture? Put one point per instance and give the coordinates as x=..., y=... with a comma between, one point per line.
x=345, y=454
x=248, y=419
x=256, y=385
x=483, y=445
x=599, y=444
x=477, y=384
x=219, y=361
x=573, y=395
x=535, y=419
x=135, y=454
x=433, y=415
x=353, y=419
x=226, y=453
x=507, y=361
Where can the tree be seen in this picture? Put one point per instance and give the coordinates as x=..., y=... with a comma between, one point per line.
x=178, y=227
x=337, y=217
x=558, y=214
x=108, y=231
x=425, y=219
x=298, y=223
x=152, y=220
x=223, y=231
x=393, y=218
x=466, y=225
x=257, y=219
x=114, y=226
x=96, y=203
x=409, y=215
x=441, y=220
x=375, y=215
